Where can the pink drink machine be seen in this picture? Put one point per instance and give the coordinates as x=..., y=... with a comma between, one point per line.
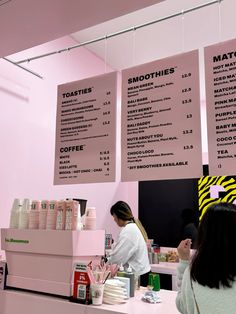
x=43, y=260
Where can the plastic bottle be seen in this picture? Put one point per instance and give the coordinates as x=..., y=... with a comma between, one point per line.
x=24, y=214
x=121, y=271
x=129, y=274
x=15, y=211
x=154, y=281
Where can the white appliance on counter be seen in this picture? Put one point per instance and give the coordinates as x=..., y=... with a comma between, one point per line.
x=43, y=260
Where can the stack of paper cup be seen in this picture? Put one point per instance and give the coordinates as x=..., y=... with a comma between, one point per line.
x=51, y=215
x=43, y=214
x=90, y=218
x=69, y=214
x=34, y=215
x=15, y=211
x=24, y=214
x=61, y=215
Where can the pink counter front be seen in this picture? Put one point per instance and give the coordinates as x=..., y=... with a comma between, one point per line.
x=17, y=302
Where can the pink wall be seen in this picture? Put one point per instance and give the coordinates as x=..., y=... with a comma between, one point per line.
x=27, y=137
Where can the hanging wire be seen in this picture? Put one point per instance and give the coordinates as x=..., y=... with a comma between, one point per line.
x=4, y=2
x=183, y=31
x=219, y=20
x=134, y=46
x=123, y=31
x=17, y=63
x=105, y=54
x=67, y=61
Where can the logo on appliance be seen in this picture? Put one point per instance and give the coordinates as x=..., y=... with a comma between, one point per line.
x=11, y=240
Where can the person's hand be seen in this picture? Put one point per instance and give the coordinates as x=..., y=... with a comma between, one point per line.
x=184, y=249
x=103, y=260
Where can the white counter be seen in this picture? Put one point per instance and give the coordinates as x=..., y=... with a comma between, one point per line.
x=167, y=268
x=16, y=302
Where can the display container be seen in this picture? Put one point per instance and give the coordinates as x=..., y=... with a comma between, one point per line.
x=43, y=260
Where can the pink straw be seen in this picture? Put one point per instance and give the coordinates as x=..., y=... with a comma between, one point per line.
x=106, y=277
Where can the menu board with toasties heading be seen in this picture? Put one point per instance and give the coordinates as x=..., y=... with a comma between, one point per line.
x=86, y=131
x=220, y=69
x=161, y=129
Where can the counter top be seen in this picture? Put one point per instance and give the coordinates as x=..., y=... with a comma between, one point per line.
x=15, y=302
x=165, y=268
x=169, y=269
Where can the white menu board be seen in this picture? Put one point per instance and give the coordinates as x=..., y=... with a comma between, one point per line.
x=86, y=131
x=220, y=68
x=161, y=129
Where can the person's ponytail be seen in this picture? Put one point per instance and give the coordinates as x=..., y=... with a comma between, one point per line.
x=141, y=228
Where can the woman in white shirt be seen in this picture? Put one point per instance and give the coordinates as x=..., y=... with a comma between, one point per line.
x=208, y=284
x=130, y=248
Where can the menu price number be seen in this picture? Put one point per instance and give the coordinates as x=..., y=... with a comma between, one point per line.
x=186, y=147
x=186, y=101
x=108, y=93
x=106, y=103
x=107, y=174
x=189, y=116
x=106, y=113
x=104, y=152
x=219, y=166
x=104, y=157
x=190, y=131
x=106, y=122
x=186, y=75
x=186, y=90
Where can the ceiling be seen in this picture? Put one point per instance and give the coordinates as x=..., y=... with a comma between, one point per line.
x=28, y=23
x=170, y=36
x=195, y=25
x=187, y=31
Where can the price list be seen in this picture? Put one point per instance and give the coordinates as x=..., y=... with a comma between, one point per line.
x=86, y=131
x=220, y=69
x=161, y=129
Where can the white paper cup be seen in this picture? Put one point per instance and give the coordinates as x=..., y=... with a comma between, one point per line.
x=97, y=293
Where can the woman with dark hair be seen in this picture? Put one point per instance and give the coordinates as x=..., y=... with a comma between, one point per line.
x=131, y=246
x=208, y=284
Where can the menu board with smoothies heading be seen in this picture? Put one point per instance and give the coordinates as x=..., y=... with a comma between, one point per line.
x=220, y=68
x=86, y=131
x=161, y=128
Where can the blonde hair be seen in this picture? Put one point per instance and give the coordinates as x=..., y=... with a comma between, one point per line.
x=123, y=211
x=141, y=228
